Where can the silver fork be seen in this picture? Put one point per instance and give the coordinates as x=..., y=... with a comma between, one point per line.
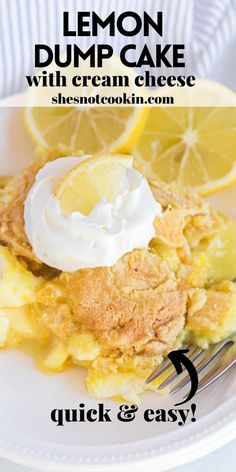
x=224, y=353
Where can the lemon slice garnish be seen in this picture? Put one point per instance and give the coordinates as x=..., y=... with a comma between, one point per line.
x=92, y=129
x=193, y=146
x=98, y=177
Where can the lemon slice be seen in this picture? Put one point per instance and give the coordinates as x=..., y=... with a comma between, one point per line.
x=193, y=146
x=98, y=177
x=91, y=128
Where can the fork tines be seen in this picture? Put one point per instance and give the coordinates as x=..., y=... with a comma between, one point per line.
x=201, y=358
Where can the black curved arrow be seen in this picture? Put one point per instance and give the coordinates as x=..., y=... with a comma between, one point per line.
x=179, y=360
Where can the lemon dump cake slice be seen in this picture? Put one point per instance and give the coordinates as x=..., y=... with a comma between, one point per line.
x=135, y=306
x=119, y=319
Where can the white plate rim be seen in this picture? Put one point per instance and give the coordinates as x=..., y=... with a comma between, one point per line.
x=213, y=431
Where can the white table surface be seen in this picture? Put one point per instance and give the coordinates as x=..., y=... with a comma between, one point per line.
x=224, y=460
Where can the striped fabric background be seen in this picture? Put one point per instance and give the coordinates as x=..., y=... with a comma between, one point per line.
x=207, y=27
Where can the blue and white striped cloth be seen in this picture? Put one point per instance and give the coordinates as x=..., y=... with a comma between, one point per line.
x=206, y=27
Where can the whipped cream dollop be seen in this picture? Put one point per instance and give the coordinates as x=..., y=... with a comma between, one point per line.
x=75, y=241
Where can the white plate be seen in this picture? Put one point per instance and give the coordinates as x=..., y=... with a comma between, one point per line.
x=28, y=436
